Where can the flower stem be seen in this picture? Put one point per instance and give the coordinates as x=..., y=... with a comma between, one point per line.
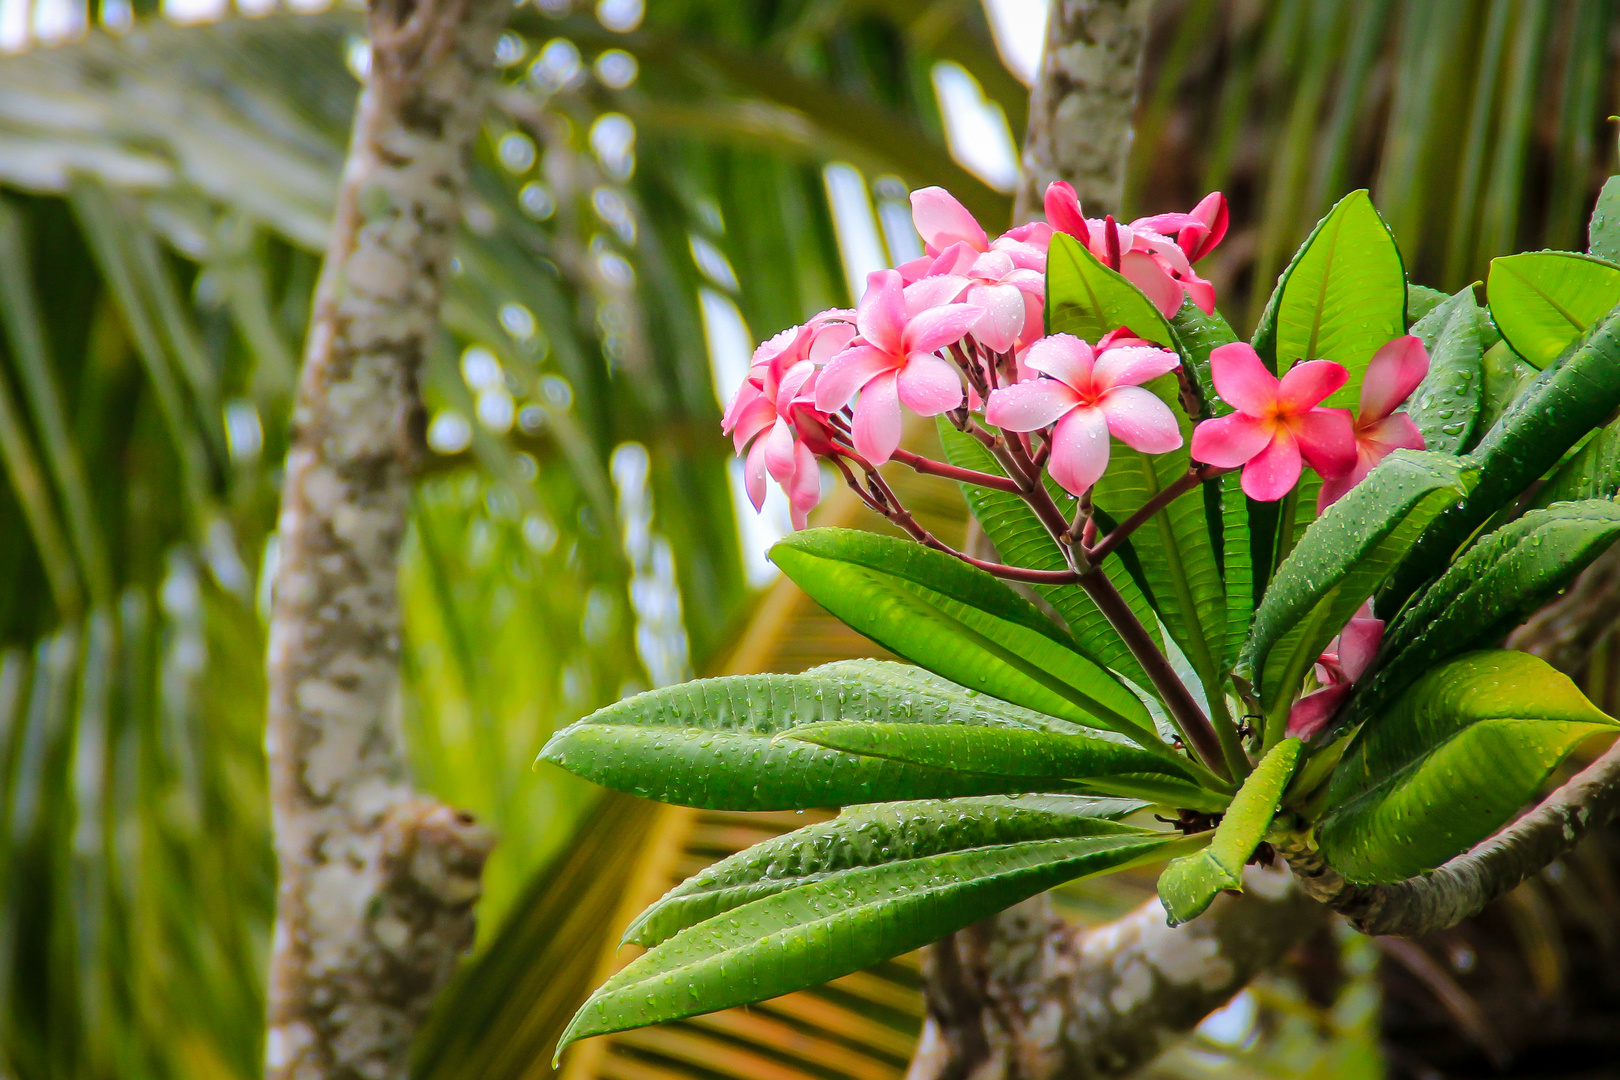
x=967, y=476
x=1188, y=718
x=1117, y=536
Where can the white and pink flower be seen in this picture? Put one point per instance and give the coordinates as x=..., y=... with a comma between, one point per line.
x=1086, y=398
x=1394, y=372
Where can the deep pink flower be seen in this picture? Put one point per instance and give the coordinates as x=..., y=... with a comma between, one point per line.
x=1393, y=373
x=1277, y=422
x=892, y=363
x=1089, y=396
x=1143, y=251
x=1345, y=660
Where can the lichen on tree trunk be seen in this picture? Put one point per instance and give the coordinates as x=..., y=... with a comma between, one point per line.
x=377, y=883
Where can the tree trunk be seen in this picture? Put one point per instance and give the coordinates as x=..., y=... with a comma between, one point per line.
x=377, y=885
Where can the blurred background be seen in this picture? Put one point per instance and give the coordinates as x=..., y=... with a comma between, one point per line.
x=659, y=184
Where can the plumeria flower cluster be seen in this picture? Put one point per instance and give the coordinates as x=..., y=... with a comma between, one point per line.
x=960, y=332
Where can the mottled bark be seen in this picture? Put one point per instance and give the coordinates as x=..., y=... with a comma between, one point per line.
x=1080, y=112
x=377, y=884
x=1027, y=996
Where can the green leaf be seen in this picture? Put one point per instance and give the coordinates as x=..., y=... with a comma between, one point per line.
x=958, y=622
x=1453, y=759
x=1164, y=791
x=1196, y=336
x=1603, y=231
x=1022, y=540
x=1506, y=377
x=713, y=742
x=1237, y=562
x=1342, y=296
x=826, y=929
x=1555, y=412
x=1188, y=885
x=1446, y=404
x=977, y=749
x=1491, y=588
x=1592, y=472
x=1420, y=301
x=871, y=836
x=1339, y=563
x=1087, y=299
x=1543, y=300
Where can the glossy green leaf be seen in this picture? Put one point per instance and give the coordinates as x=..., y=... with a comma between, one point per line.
x=1189, y=884
x=1196, y=336
x=1491, y=588
x=1450, y=761
x=1165, y=791
x=1506, y=377
x=1087, y=299
x=830, y=928
x=1543, y=300
x=1446, y=405
x=865, y=836
x=1603, y=231
x=1022, y=540
x=1420, y=302
x=1555, y=412
x=714, y=742
x=1339, y=562
x=976, y=749
x=1342, y=296
x=1592, y=472
x=958, y=622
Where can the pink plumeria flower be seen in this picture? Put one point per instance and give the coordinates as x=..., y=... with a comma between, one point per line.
x=943, y=221
x=1012, y=297
x=1393, y=373
x=1277, y=423
x=1345, y=660
x=893, y=363
x=774, y=411
x=1089, y=396
x=1143, y=251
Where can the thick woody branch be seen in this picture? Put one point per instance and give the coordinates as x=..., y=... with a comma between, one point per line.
x=1026, y=995
x=376, y=885
x=1463, y=886
x=1081, y=110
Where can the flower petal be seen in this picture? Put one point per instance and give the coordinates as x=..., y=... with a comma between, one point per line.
x=931, y=292
x=1358, y=645
x=928, y=385
x=1132, y=365
x=1274, y=471
x=1079, y=450
x=1201, y=292
x=1212, y=211
x=1029, y=405
x=779, y=446
x=831, y=340
x=804, y=489
x=1326, y=440
x=1145, y=272
x=882, y=311
x=1004, y=315
x=1241, y=379
x=754, y=475
x=939, y=326
x=942, y=221
x=991, y=266
x=848, y=372
x=1394, y=372
x=1392, y=433
x=1063, y=210
x=1137, y=418
x=876, y=428
x=1312, y=713
x=1230, y=441
x=1305, y=384
x=1065, y=358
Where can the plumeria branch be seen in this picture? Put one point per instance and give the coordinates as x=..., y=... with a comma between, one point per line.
x=1098, y=551
x=931, y=467
x=1463, y=886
